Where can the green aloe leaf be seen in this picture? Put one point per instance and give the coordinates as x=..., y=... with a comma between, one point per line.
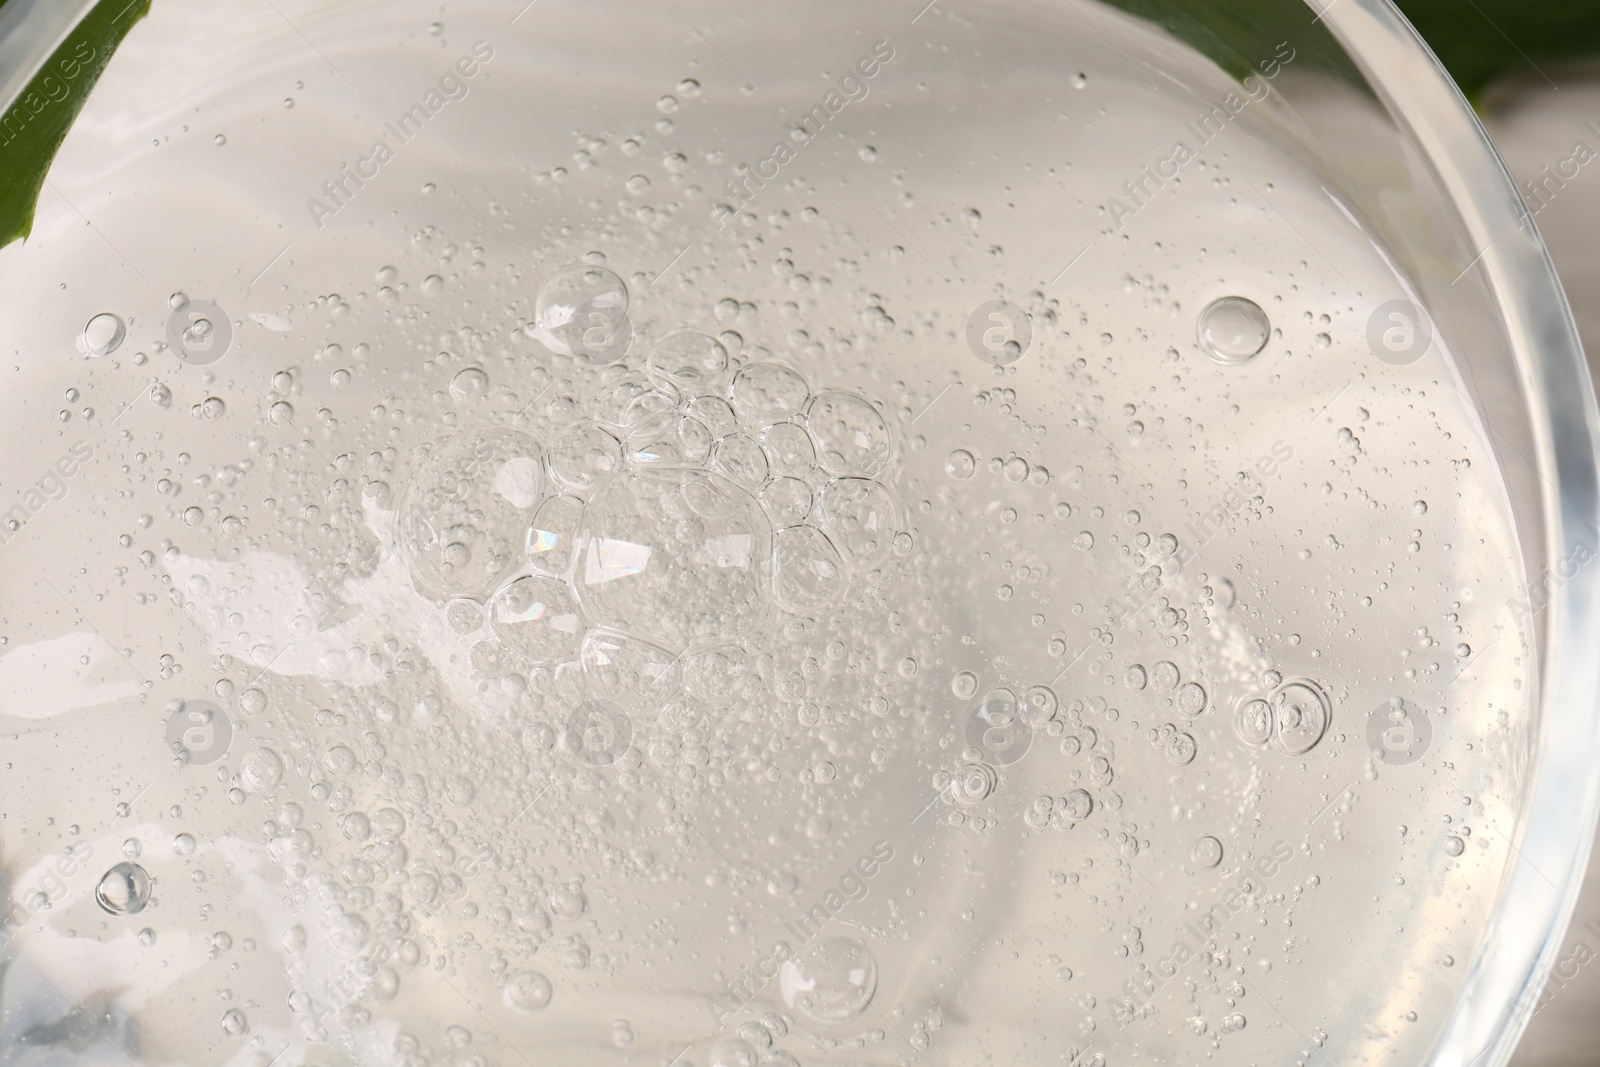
x=1476, y=40
x=1239, y=34
x=1481, y=40
x=32, y=129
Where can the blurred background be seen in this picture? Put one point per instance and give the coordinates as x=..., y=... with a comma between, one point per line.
x=1533, y=71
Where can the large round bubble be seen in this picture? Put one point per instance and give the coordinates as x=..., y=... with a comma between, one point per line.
x=830, y=984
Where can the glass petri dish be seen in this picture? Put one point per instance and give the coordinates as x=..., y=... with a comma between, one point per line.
x=683, y=534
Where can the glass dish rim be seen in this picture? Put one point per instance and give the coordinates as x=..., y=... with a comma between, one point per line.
x=1560, y=803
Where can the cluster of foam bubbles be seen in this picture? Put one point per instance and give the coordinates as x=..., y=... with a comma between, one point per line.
x=625, y=568
x=723, y=493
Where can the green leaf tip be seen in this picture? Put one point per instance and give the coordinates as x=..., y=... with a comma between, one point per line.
x=33, y=127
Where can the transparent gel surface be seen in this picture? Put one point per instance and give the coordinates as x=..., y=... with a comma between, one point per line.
x=553, y=598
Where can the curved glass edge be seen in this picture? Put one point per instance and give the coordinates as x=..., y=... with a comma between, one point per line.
x=1559, y=810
